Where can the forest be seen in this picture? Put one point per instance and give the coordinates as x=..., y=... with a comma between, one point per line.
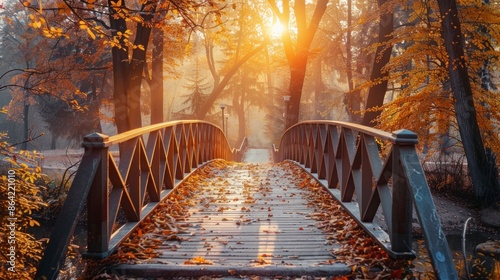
x=255, y=68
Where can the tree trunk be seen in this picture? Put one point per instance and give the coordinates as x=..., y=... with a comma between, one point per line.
x=26, y=129
x=297, y=76
x=136, y=67
x=376, y=94
x=53, y=141
x=120, y=73
x=127, y=73
x=483, y=173
x=157, y=77
x=352, y=99
x=319, y=90
x=298, y=53
x=239, y=109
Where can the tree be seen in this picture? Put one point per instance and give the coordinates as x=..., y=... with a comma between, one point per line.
x=248, y=94
x=157, y=73
x=378, y=88
x=426, y=79
x=195, y=99
x=220, y=82
x=245, y=89
x=352, y=99
x=483, y=171
x=297, y=53
x=126, y=27
x=67, y=71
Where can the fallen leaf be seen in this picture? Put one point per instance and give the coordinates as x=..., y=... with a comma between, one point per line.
x=198, y=261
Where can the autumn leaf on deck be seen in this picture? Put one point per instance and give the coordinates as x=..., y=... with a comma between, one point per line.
x=261, y=260
x=198, y=261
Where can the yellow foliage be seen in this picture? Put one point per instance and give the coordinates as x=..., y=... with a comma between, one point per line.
x=21, y=252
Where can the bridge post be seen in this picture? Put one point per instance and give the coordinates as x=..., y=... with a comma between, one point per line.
x=402, y=206
x=99, y=231
x=421, y=197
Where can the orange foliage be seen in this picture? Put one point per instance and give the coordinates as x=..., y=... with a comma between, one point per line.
x=421, y=98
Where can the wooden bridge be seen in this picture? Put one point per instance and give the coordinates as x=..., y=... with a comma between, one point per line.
x=245, y=219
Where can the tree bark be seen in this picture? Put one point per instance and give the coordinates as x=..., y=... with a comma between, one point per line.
x=26, y=129
x=297, y=77
x=157, y=77
x=352, y=99
x=297, y=55
x=319, y=90
x=376, y=94
x=127, y=73
x=483, y=173
x=239, y=109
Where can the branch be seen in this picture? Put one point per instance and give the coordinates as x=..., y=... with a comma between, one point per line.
x=64, y=180
x=209, y=49
x=217, y=90
x=104, y=24
x=27, y=140
x=275, y=9
x=26, y=70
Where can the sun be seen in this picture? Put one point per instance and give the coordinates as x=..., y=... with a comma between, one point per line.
x=277, y=29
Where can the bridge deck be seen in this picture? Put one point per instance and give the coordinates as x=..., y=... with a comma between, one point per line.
x=233, y=218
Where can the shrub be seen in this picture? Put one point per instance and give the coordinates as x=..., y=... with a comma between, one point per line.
x=20, y=251
x=447, y=175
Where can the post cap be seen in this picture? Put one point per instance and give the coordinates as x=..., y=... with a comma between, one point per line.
x=94, y=140
x=404, y=136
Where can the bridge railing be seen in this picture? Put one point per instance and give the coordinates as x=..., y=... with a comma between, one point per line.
x=152, y=161
x=365, y=168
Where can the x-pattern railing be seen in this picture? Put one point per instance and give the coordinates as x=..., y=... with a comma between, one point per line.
x=152, y=160
x=348, y=160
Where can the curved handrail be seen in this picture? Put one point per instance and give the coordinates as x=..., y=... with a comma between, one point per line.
x=152, y=161
x=346, y=159
x=240, y=152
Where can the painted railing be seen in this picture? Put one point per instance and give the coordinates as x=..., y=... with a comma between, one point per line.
x=365, y=168
x=152, y=161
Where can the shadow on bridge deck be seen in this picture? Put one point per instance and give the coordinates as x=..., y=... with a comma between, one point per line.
x=236, y=219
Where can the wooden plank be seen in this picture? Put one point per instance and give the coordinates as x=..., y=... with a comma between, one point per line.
x=276, y=223
x=249, y=215
x=160, y=270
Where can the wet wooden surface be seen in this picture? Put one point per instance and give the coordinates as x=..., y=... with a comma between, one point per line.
x=251, y=214
x=247, y=216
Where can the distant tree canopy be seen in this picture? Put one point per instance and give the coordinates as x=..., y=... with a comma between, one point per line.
x=389, y=61
x=68, y=70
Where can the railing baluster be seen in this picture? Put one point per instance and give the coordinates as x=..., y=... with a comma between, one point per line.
x=401, y=207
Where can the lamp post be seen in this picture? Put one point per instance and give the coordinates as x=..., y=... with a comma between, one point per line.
x=223, y=106
x=286, y=98
x=227, y=123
